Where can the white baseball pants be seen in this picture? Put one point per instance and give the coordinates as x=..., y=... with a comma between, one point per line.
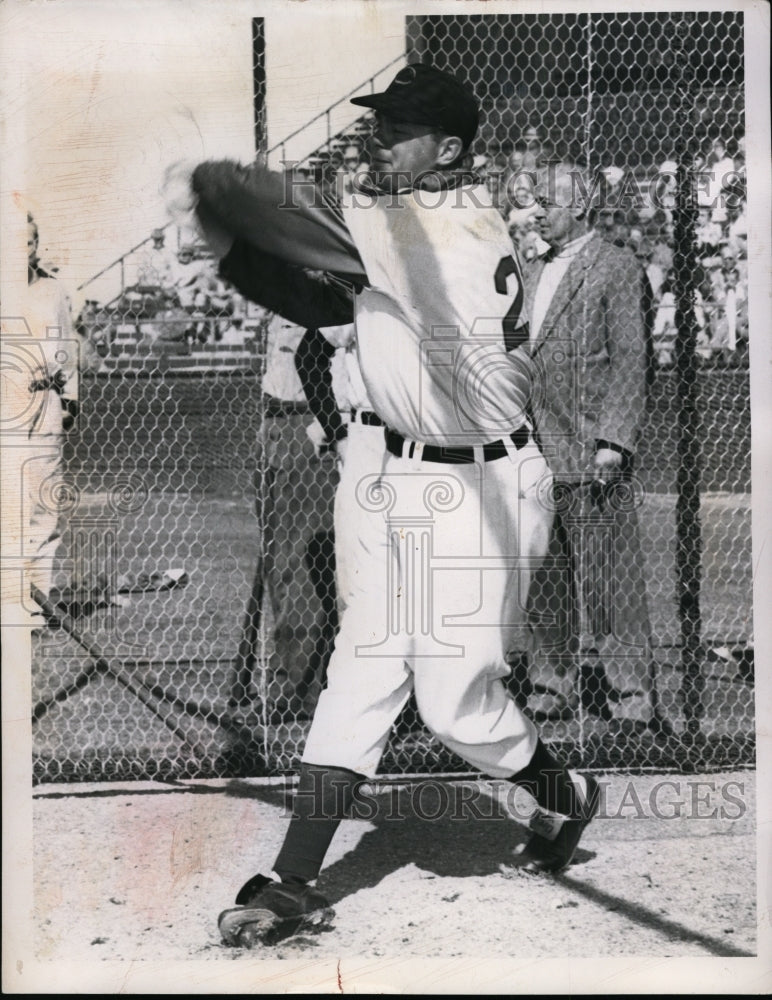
x=444, y=559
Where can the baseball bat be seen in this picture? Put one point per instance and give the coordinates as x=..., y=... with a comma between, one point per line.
x=153, y=698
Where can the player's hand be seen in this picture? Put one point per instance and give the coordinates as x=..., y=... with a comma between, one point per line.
x=607, y=468
x=181, y=204
x=178, y=194
x=341, y=447
x=316, y=436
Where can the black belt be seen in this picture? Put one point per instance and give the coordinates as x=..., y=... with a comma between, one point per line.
x=366, y=417
x=273, y=407
x=456, y=455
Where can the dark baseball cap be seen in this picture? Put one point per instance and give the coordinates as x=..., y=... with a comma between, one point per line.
x=422, y=95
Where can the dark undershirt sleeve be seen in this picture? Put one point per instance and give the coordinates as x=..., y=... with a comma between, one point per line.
x=309, y=299
x=277, y=214
x=313, y=358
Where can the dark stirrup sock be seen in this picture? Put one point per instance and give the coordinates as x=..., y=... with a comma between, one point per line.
x=549, y=782
x=323, y=798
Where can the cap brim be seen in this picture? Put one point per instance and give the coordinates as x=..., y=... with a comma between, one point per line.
x=392, y=106
x=371, y=101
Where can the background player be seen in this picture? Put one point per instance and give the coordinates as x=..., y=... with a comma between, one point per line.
x=55, y=389
x=361, y=449
x=295, y=489
x=432, y=272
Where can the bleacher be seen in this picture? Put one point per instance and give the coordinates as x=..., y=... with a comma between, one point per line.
x=561, y=117
x=138, y=358
x=144, y=346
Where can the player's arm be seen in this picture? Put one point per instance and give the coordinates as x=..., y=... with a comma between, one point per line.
x=309, y=299
x=313, y=359
x=623, y=404
x=276, y=213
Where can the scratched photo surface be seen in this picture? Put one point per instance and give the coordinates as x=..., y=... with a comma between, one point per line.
x=383, y=444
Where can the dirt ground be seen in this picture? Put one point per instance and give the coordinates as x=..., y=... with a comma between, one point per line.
x=130, y=875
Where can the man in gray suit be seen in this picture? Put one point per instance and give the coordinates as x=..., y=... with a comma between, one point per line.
x=588, y=607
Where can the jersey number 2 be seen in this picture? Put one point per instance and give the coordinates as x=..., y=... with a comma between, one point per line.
x=513, y=335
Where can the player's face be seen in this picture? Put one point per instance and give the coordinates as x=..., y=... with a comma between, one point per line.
x=402, y=152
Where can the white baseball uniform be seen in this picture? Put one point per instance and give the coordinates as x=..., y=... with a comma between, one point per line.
x=443, y=571
x=364, y=455
x=49, y=318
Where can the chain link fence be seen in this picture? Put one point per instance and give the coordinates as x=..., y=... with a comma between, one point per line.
x=196, y=582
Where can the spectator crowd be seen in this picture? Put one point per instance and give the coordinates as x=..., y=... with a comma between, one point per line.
x=638, y=212
x=633, y=210
x=173, y=297
x=179, y=296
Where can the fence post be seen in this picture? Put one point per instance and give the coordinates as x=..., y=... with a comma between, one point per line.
x=688, y=556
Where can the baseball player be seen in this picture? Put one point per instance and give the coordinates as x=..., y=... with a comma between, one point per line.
x=55, y=389
x=460, y=489
x=360, y=442
x=295, y=487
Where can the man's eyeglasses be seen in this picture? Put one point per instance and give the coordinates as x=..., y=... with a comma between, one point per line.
x=545, y=202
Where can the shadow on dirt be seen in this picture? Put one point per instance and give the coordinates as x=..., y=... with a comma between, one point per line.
x=457, y=830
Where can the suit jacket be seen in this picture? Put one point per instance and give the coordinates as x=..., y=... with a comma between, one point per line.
x=589, y=358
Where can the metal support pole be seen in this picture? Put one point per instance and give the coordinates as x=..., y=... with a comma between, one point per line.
x=688, y=556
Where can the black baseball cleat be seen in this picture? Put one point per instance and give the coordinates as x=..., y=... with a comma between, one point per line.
x=542, y=855
x=268, y=912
